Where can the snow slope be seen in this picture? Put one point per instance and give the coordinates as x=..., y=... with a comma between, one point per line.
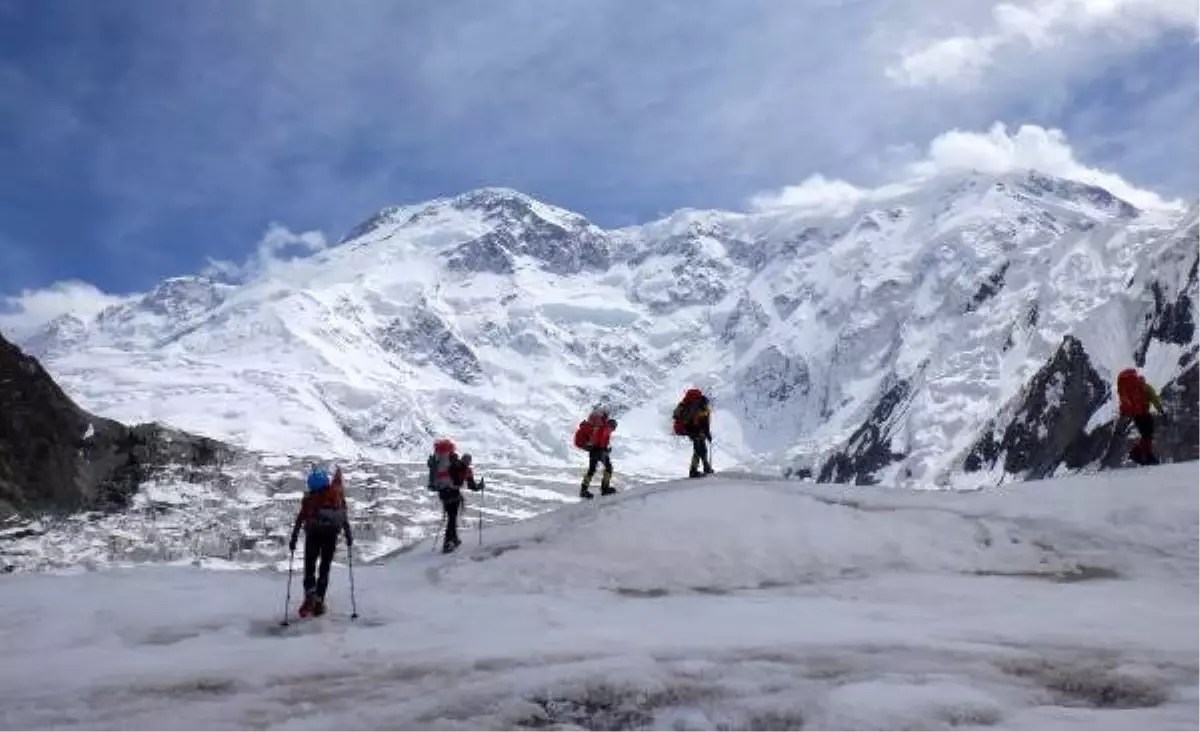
x=731, y=603
x=500, y=319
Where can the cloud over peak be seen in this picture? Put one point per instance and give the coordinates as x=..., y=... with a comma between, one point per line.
x=997, y=151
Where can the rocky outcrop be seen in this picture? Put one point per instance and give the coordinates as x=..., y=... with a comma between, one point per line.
x=870, y=447
x=56, y=457
x=1048, y=424
x=1178, y=436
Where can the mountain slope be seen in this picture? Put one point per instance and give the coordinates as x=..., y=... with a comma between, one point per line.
x=877, y=345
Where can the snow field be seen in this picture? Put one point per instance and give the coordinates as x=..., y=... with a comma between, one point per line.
x=732, y=602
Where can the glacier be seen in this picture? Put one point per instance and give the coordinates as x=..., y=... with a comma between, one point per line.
x=740, y=602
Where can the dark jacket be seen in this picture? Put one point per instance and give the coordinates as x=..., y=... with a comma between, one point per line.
x=325, y=511
x=459, y=473
x=695, y=418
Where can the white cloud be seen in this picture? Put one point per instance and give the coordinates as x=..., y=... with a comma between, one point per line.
x=25, y=313
x=818, y=196
x=267, y=254
x=994, y=152
x=1037, y=27
x=22, y=315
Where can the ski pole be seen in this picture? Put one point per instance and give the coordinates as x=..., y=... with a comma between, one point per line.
x=288, y=599
x=353, y=601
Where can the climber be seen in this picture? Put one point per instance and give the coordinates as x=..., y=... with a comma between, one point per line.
x=691, y=418
x=1136, y=397
x=322, y=514
x=594, y=435
x=448, y=472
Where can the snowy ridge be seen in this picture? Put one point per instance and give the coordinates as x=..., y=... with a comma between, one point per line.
x=735, y=603
x=499, y=320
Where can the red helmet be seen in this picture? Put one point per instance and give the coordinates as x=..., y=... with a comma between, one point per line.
x=693, y=395
x=443, y=446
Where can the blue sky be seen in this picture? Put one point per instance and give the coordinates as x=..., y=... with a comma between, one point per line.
x=140, y=139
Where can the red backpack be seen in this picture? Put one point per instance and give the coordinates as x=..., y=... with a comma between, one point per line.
x=583, y=435
x=1131, y=392
x=687, y=409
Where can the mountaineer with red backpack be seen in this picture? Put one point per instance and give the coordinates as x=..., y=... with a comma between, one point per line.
x=691, y=417
x=594, y=434
x=1136, y=397
x=448, y=473
x=323, y=515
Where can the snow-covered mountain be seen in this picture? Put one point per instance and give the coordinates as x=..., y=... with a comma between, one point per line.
x=890, y=342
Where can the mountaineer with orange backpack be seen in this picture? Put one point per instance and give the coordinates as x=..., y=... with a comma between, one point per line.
x=448, y=473
x=692, y=419
x=1136, y=397
x=594, y=434
x=323, y=515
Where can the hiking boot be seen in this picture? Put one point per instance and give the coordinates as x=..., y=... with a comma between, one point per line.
x=693, y=473
x=607, y=491
x=318, y=607
x=306, y=607
x=708, y=470
x=585, y=493
x=450, y=546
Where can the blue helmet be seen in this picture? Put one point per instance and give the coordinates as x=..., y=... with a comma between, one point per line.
x=318, y=480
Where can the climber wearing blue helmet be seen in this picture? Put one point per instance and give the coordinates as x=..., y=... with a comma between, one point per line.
x=322, y=515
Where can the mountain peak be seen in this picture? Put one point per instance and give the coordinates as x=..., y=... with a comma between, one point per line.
x=495, y=203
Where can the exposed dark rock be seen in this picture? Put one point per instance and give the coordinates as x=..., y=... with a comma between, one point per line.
x=989, y=288
x=1037, y=184
x=1177, y=437
x=753, y=255
x=1171, y=321
x=985, y=451
x=1031, y=315
x=56, y=457
x=869, y=448
x=747, y=320
x=562, y=249
x=774, y=377
x=426, y=339
x=491, y=252
x=785, y=305
x=1049, y=421
x=370, y=224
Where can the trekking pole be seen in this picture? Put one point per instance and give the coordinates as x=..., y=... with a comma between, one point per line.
x=482, y=486
x=438, y=533
x=353, y=601
x=287, y=603
x=1119, y=428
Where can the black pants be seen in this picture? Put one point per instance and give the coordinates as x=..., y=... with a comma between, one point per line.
x=452, y=503
x=700, y=454
x=1143, y=452
x=1145, y=426
x=318, y=546
x=598, y=456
